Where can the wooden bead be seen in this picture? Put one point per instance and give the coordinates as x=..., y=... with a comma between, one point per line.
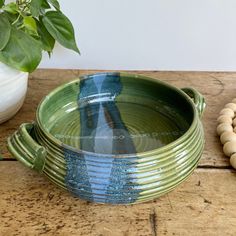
x=233, y=161
x=234, y=100
x=225, y=119
x=224, y=127
x=228, y=112
x=231, y=106
x=227, y=137
x=234, y=122
x=229, y=148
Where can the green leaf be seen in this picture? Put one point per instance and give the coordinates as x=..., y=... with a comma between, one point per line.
x=35, y=7
x=11, y=8
x=5, y=31
x=55, y=3
x=48, y=42
x=2, y=2
x=22, y=52
x=11, y=18
x=60, y=27
x=30, y=24
x=45, y=4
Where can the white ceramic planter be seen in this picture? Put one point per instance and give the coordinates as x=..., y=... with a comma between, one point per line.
x=13, y=88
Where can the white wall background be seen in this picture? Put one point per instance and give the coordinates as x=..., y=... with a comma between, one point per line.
x=150, y=35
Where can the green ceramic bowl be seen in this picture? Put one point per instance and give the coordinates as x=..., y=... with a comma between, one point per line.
x=114, y=137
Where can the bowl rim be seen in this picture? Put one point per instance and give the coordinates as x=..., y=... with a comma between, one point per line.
x=156, y=151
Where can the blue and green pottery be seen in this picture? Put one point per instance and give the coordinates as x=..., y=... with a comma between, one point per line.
x=114, y=137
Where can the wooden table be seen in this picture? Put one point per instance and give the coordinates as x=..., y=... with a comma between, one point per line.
x=205, y=204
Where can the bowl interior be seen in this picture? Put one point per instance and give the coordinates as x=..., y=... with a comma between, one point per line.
x=116, y=113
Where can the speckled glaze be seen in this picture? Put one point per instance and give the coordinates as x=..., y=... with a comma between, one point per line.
x=114, y=137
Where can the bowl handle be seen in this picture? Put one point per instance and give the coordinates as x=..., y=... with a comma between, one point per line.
x=197, y=98
x=23, y=146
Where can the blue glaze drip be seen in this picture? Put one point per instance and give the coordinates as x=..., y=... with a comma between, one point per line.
x=97, y=177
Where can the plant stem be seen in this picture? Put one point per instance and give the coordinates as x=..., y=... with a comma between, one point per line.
x=17, y=19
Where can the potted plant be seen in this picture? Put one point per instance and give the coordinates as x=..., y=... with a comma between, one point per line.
x=27, y=28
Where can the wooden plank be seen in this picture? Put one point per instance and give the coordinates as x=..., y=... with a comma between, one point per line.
x=205, y=204
x=218, y=89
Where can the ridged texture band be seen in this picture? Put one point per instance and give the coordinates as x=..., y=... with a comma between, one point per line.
x=154, y=175
x=115, y=179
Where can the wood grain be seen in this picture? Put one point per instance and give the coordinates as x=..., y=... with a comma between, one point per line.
x=205, y=204
x=218, y=89
x=30, y=205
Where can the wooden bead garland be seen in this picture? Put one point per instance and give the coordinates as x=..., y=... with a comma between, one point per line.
x=227, y=137
x=227, y=112
x=225, y=119
x=226, y=129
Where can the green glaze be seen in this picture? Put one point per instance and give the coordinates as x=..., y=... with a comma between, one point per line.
x=26, y=149
x=161, y=137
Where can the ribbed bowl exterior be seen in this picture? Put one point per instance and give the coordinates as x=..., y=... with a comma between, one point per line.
x=148, y=176
x=109, y=178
